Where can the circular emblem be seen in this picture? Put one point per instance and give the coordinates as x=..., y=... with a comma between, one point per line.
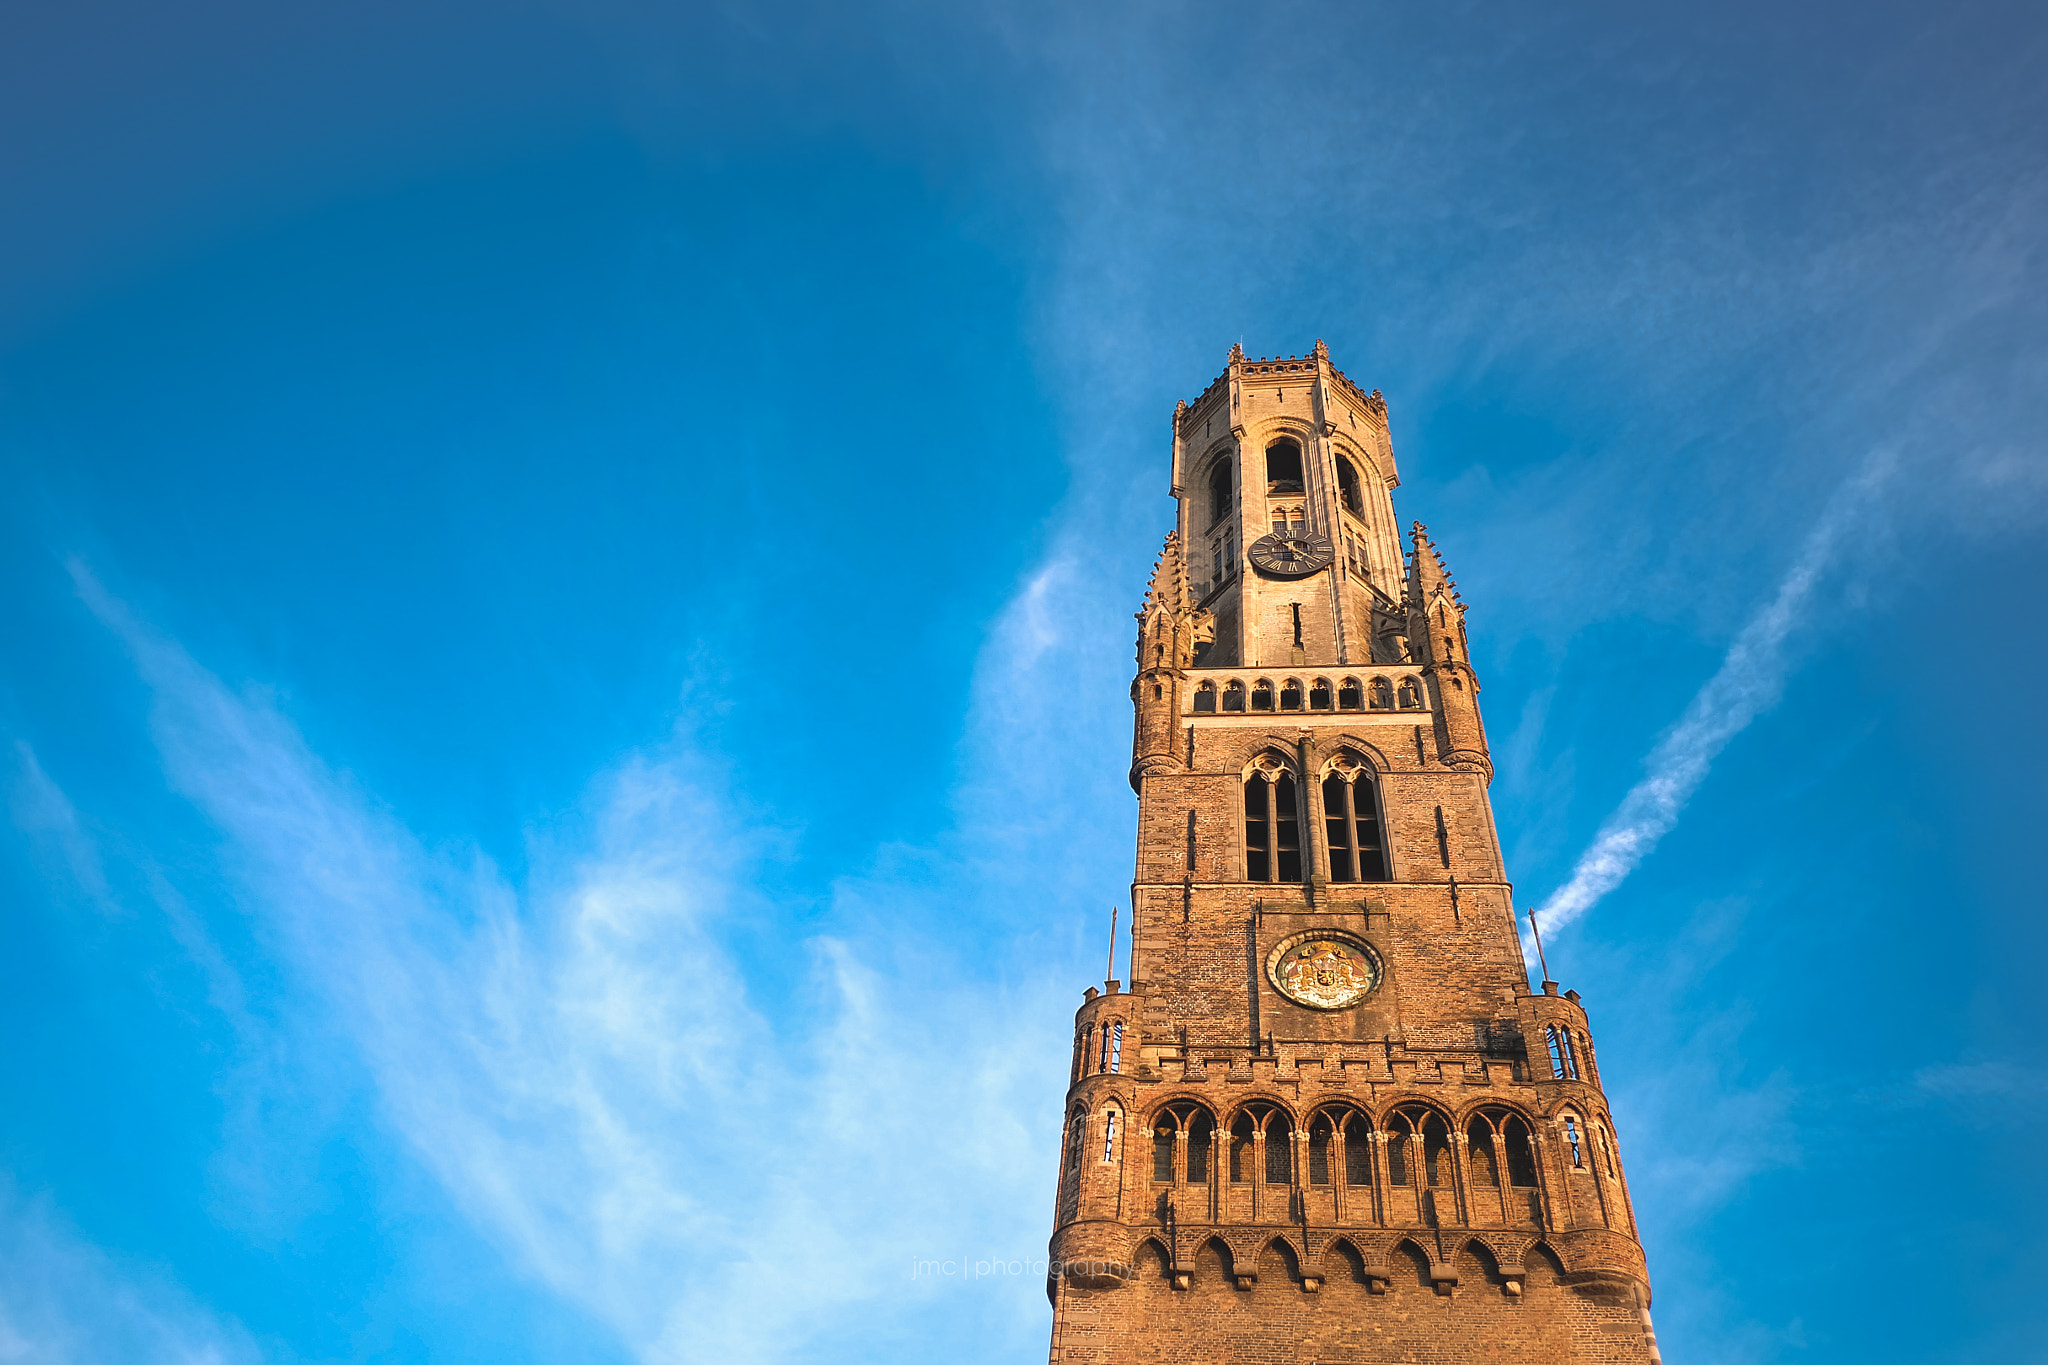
x=1324, y=969
x=1292, y=556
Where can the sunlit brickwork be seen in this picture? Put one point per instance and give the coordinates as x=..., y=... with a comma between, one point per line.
x=1328, y=1120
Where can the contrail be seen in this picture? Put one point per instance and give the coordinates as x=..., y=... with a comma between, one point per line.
x=1748, y=683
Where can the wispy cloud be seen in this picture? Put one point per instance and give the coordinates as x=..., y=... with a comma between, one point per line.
x=1748, y=682
x=585, y=1065
x=2000, y=1082
x=41, y=809
x=64, y=1301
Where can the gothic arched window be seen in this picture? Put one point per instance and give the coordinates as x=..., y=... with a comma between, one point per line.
x=1347, y=487
x=1321, y=1134
x=1411, y=695
x=1283, y=466
x=1242, y=1143
x=1521, y=1153
x=1219, y=492
x=1182, y=1126
x=1480, y=1161
x=1271, y=1120
x=1350, y=695
x=1290, y=695
x=1233, y=696
x=1272, y=827
x=1262, y=695
x=1382, y=695
x=1319, y=695
x=1205, y=698
x=1351, y=820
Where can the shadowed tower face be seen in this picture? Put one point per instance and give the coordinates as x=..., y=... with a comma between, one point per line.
x=1328, y=1120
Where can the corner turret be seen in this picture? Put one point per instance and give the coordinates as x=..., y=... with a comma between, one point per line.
x=1437, y=623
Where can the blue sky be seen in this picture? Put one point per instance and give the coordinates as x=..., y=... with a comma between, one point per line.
x=567, y=572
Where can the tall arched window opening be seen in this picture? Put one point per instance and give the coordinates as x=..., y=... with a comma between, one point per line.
x=1283, y=466
x=1351, y=818
x=1201, y=1136
x=1356, y=1133
x=1347, y=487
x=1205, y=699
x=1321, y=1134
x=1521, y=1153
x=1241, y=1144
x=1279, y=1149
x=1219, y=492
x=1182, y=1127
x=1233, y=696
x=1272, y=828
x=1109, y=1136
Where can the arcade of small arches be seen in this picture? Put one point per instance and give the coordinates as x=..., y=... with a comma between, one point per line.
x=1509, y=1267
x=1415, y=1148
x=1348, y=694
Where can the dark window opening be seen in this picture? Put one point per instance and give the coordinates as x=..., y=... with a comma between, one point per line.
x=1357, y=1154
x=1262, y=695
x=1382, y=695
x=1257, y=863
x=1199, y=1133
x=1571, y=1134
x=1287, y=838
x=1233, y=697
x=1162, y=1153
x=1279, y=1151
x=1347, y=487
x=1319, y=695
x=1319, y=1135
x=1290, y=695
x=1436, y=1152
x=1397, y=1154
x=1521, y=1155
x=1283, y=467
x=1205, y=699
x=1219, y=491
x=1352, y=821
x=1350, y=696
x=1479, y=1153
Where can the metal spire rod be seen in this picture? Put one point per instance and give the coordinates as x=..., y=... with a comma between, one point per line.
x=1537, y=931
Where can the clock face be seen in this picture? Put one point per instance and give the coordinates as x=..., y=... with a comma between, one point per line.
x=1292, y=556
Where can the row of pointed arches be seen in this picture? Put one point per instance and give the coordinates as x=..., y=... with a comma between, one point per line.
x=1415, y=1164
x=1318, y=694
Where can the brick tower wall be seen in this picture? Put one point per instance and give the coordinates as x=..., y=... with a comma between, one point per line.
x=1427, y=1173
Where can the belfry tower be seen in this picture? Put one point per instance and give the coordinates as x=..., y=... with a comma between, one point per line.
x=1328, y=1121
